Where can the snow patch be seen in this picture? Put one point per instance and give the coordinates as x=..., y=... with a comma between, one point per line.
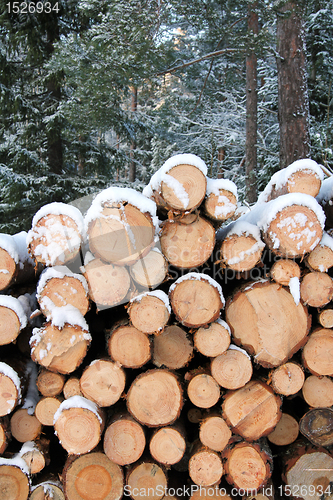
x=155, y=293
x=7, y=243
x=59, y=316
x=214, y=186
x=326, y=191
x=76, y=402
x=16, y=306
x=58, y=272
x=294, y=288
x=58, y=208
x=199, y=277
x=32, y=396
x=326, y=241
x=233, y=347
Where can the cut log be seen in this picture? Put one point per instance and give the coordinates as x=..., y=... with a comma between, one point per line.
x=195, y=415
x=232, y=369
x=12, y=385
x=128, y=346
x=50, y=383
x=46, y=408
x=317, y=353
x=325, y=317
x=36, y=454
x=247, y=466
x=25, y=427
x=124, y=440
x=62, y=287
x=321, y=257
x=147, y=480
x=72, y=388
x=288, y=379
x=196, y=300
x=214, y=433
x=14, y=479
x=47, y=490
x=8, y=260
x=79, y=424
x=275, y=327
x=12, y=319
x=203, y=390
x=317, y=426
x=92, y=476
x=16, y=265
x=108, y=284
x=286, y=431
x=103, y=382
x=167, y=445
x=316, y=289
x=252, y=411
x=205, y=467
x=283, y=270
x=213, y=339
x=318, y=391
x=172, y=348
x=120, y=226
x=4, y=434
x=221, y=199
x=151, y=270
x=155, y=398
x=56, y=234
x=187, y=242
x=150, y=311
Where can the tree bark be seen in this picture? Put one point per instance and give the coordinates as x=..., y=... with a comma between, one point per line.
x=134, y=107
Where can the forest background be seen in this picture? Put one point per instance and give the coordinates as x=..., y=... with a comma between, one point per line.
x=101, y=92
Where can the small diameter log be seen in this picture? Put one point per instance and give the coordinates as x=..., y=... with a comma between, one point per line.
x=232, y=369
x=72, y=388
x=103, y=382
x=47, y=490
x=149, y=271
x=12, y=319
x=252, y=411
x=11, y=388
x=195, y=415
x=317, y=352
x=172, y=348
x=325, y=317
x=214, y=433
x=318, y=391
x=196, y=299
x=321, y=257
x=49, y=383
x=308, y=472
x=56, y=234
x=146, y=480
x=203, y=391
x=316, y=289
x=317, y=426
x=4, y=434
x=286, y=431
x=221, y=199
x=36, y=454
x=276, y=327
x=59, y=350
x=79, y=424
x=213, y=339
x=167, y=445
x=62, y=287
x=16, y=266
x=14, y=479
x=124, y=440
x=129, y=346
x=205, y=466
x=108, y=284
x=187, y=242
x=8, y=260
x=247, y=466
x=92, y=476
x=283, y=270
x=288, y=378
x=46, y=408
x=25, y=427
x=150, y=311
x=155, y=398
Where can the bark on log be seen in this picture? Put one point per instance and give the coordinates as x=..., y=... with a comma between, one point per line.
x=232, y=369
x=46, y=408
x=316, y=289
x=203, y=390
x=205, y=466
x=325, y=317
x=150, y=271
x=4, y=434
x=213, y=339
x=288, y=378
x=318, y=391
x=13, y=384
x=214, y=433
x=103, y=382
x=24, y=427
x=36, y=454
x=167, y=445
x=172, y=348
x=49, y=383
x=72, y=388
x=285, y=432
x=128, y=346
x=47, y=490
x=146, y=479
x=149, y=312
x=317, y=426
x=317, y=352
x=283, y=270
x=14, y=482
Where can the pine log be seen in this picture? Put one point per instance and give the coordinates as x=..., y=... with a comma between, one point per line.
x=318, y=391
x=214, y=433
x=103, y=382
x=151, y=270
x=146, y=480
x=286, y=431
x=150, y=311
x=196, y=300
x=316, y=289
x=213, y=339
x=232, y=369
x=7, y=263
x=167, y=445
x=36, y=454
x=321, y=257
x=124, y=440
x=221, y=199
x=252, y=411
x=49, y=383
x=72, y=388
x=16, y=265
x=247, y=466
x=283, y=270
x=92, y=476
x=317, y=426
x=195, y=415
x=155, y=398
x=108, y=284
x=288, y=378
x=205, y=466
x=47, y=490
x=188, y=242
x=317, y=352
x=12, y=319
x=79, y=424
x=172, y=348
x=275, y=327
x=24, y=426
x=14, y=479
x=12, y=386
x=203, y=390
x=46, y=408
x=4, y=434
x=325, y=317
x=128, y=346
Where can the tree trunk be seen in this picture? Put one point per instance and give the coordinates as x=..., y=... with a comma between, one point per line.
x=134, y=107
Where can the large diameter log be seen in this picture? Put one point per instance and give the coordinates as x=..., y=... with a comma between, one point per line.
x=172, y=348
x=288, y=379
x=146, y=479
x=317, y=352
x=151, y=270
x=128, y=346
x=286, y=431
x=252, y=411
x=167, y=445
x=12, y=319
x=317, y=426
x=213, y=339
x=196, y=299
x=14, y=479
x=205, y=467
x=275, y=327
x=221, y=199
x=232, y=369
x=124, y=440
x=155, y=398
x=103, y=382
x=316, y=289
x=214, y=433
x=318, y=391
x=203, y=390
x=149, y=312
x=187, y=242
x=92, y=476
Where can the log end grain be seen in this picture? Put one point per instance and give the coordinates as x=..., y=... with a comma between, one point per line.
x=205, y=468
x=212, y=340
x=232, y=369
x=288, y=379
x=285, y=432
x=129, y=346
x=193, y=185
x=221, y=207
x=147, y=480
x=241, y=252
x=124, y=441
x=14, y=484
x=214, y=433
x=203, y=391
x=172, y=348
x=103, y=382
x=149, y=271
x=149, y=314
x=317, y=352
x=283, y=270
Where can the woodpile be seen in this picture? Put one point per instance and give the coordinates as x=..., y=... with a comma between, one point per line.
x=169, y=349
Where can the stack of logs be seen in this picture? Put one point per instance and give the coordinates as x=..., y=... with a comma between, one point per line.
x=174, y=345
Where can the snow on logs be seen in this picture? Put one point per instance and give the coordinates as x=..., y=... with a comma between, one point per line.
x=12, y=319
x=16, y=265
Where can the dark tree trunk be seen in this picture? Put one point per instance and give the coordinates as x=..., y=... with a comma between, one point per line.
x=251, y=113
x=132, y=167
x=292, y=85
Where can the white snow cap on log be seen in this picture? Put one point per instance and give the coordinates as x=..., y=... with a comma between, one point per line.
x=326, y=241
x=8, y=244
x=326, y=191
x=9, y=372
x=58, y=272
x=16, y=461
x=16, y=306
x=155, y=293
x=58, y=208
x=233, y=347
x=20, y=240
x=77, y=402
x=199, y=277
x=215, y=185
x=281, y=177
x=224, y=324
x=69, y=314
